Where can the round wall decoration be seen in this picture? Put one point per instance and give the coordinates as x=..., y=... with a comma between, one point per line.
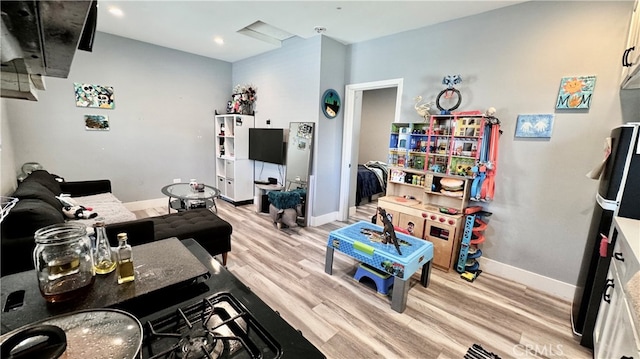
x=448, y=93
x=330, y=103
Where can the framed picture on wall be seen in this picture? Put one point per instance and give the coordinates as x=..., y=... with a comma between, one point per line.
x=99, y=96
x=330, y=103
x=534, y=126
x=575, y=92
x=96, y=123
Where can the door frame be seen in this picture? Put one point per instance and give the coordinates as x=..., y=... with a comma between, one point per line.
x=353, y=106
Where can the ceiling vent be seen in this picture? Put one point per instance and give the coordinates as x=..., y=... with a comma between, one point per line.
x=265, y=32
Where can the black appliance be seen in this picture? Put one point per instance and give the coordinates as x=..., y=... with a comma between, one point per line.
x=618, y=195
x=215, y=316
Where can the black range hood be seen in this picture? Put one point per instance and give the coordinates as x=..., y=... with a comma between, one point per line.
x=39, y=38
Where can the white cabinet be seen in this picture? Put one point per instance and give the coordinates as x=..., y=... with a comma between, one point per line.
x=234, y=170
x=631, y=55
x=617, y=330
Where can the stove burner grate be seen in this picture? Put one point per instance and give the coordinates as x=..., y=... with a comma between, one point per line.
x=215, y=327
x=199, y=342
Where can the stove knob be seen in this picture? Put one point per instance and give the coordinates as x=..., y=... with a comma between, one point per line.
x=451, y=222
x=433, y=218
x=442, y=219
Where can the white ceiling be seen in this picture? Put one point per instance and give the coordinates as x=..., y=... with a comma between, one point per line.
x=191, y=26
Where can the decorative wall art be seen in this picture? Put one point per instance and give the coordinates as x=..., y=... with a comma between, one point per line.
x=96, y=123
x=330, y=103
x=99, y=96
x=534, y=126
x=448, y=94
x=575, y=92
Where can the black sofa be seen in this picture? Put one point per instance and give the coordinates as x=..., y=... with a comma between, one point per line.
x=38, y=207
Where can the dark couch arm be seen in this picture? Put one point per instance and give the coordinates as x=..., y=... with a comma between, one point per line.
x=86, y=188
x=17, y=255
x=140, y=231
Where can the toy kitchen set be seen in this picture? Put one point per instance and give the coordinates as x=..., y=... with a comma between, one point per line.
x=185, y=305
x=436, y=170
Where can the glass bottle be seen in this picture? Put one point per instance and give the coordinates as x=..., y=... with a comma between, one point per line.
x=102, y=257
x=63, y=261
x=125, y=260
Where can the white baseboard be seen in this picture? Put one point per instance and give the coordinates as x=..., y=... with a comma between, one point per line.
x=148, y=203
x=536, y=281
x=324, y=219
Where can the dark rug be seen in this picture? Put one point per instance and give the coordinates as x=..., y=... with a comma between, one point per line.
x=478, y=352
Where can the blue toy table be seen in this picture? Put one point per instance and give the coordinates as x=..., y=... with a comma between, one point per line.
x=362, y=242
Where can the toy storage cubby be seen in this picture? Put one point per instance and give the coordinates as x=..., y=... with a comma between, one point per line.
x=407, y=155
x=422, y=157
x=436, y=196
x=454, y=142
x=408, y=145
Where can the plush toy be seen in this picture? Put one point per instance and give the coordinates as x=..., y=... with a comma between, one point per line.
x=73, y=210
x=287, y=216
x=79, y=212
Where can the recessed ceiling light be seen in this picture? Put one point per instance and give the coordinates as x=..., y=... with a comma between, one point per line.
x=218, y=40
x=116, y=11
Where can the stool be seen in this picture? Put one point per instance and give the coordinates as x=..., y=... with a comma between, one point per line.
x=382, y=280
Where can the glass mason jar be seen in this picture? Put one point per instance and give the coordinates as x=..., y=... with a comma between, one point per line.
x=63, y=261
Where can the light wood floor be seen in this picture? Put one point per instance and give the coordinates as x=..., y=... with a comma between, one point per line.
x=347, y=319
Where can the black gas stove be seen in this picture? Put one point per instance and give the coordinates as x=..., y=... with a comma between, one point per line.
x=215, y=327
x=213, y=316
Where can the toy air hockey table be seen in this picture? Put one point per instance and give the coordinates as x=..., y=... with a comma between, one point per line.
x=362, y=241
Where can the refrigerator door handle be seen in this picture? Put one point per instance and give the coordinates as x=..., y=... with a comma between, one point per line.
x=607, y=296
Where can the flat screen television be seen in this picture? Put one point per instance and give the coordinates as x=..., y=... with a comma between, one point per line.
x=267, y=145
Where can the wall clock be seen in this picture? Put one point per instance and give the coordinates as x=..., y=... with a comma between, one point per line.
x=330, y=103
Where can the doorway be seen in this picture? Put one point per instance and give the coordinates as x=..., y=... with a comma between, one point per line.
x=350, y=137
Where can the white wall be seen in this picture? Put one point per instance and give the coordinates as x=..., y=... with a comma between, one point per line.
x=328, y=154
x=378, y=111
x=161, y=127
x=513, y=59
x=287, y=80
x=290, y=82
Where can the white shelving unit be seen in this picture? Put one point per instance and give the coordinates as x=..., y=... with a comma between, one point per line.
x=234, y=170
